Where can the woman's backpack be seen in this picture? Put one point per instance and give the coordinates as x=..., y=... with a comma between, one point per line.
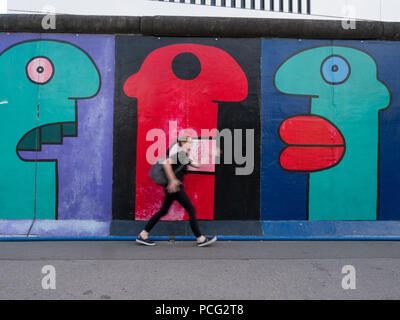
x=157, y=172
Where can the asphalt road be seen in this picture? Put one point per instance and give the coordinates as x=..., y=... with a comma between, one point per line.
x=180, y=270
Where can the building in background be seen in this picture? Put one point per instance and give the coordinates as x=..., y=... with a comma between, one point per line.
x=381, y=10
x=3, y=6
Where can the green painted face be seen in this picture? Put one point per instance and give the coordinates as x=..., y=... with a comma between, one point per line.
x=51, y=74
x=344, y=88
x=335, y=75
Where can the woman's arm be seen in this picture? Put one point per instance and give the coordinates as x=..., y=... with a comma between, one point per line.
x=195, y=164
x=173, y=182
x=216, y=153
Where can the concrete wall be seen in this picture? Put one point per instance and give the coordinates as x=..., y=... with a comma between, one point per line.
x=64, y=170
x=77, y=109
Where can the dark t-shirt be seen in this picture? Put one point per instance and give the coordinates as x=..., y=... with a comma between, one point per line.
x=177, y=160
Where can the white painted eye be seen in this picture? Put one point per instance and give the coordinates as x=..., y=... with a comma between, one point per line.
x=335, y=69
x=40, y=70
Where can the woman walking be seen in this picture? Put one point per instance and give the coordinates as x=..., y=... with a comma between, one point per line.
x=175, y=169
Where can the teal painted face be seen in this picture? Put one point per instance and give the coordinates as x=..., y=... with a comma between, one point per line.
x=338, y=141
x=337, y=75
x=51, y=74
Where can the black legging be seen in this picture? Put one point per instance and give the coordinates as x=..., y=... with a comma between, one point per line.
x=184, y=201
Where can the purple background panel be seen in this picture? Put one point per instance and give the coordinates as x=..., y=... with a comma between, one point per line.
x=85, y=162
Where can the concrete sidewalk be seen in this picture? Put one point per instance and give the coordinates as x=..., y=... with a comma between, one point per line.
x=180, y=270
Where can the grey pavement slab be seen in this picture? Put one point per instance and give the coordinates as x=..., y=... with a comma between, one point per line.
x=179, y=270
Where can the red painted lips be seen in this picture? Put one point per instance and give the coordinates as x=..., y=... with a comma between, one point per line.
x=313, y=142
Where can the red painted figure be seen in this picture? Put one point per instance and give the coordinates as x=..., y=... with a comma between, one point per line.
x=165, y=95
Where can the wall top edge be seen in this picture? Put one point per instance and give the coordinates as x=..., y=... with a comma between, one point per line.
x=202, y=26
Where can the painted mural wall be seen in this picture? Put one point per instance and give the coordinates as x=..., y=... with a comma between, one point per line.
x=329, y=130
x=77, y=110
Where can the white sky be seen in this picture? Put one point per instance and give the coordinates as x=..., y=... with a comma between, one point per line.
x=388, y=10
x=3, y=6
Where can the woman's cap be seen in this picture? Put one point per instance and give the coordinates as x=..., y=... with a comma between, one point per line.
x=183, y=137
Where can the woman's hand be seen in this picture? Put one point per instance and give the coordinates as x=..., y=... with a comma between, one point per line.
x=173, y=186
x=173, y=182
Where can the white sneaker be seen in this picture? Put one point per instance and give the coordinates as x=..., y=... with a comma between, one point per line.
x=207, y=242
x=145, y=242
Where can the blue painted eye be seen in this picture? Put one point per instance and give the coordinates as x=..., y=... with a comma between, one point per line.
x=335, y=69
